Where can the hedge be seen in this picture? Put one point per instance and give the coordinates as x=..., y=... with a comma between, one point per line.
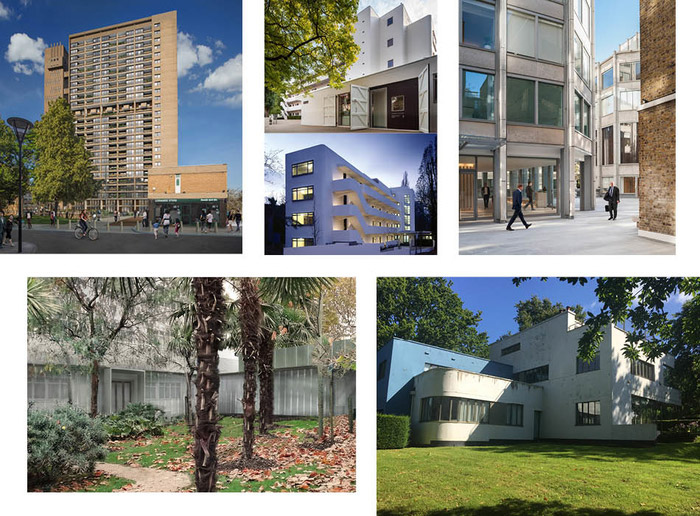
x=392, y=431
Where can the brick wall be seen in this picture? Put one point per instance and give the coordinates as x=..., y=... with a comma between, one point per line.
x=657, y=125
x=194, y=184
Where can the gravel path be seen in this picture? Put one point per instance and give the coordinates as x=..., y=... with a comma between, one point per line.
x=148, y=479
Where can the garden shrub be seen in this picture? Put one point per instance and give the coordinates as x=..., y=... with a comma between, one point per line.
x=680, y=432
x=392, y=431
x=63, y=442
x=135, y=420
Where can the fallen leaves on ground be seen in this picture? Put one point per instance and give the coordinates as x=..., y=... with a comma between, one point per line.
x=88, y=483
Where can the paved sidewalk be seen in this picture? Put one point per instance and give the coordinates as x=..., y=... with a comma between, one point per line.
x=589, y=233
x=27, y=247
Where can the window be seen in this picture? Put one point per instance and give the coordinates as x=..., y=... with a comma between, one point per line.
x=608, y=105
x=586, y=67
x=667, y=372
x=520, y=100
x=586, y=19
x=477, y=95
x=608, y=146
x=303, y=219
x=397, y=103
x=443, y=408
x=478, y=24
x=390, y=21
x=647, y=411
x=584, y=367
x=550, y=104
x=301, y=169
x=628, y=143
x=578, y=56
x=390, y=42
x=578, y=8
x=381, y=370
x=643, y=369
x=582, y=115
x=510, y=414
x=608, y=78
x=302, y=242
x=521, y=33
x=588, y=413
x=629, y=71
x=510, y=349
x=550, y=41
x=537, y=374
x=303, y=193
x=629, y=100
x=390, y=63
x=586, y=114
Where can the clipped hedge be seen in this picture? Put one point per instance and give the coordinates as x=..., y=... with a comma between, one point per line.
x=135, y=420
x=63, y=442
x=392, y=431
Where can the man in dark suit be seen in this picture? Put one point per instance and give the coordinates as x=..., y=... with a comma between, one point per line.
x=518, y=210
x=486, y=194
x=613, y=198
x=530, y=197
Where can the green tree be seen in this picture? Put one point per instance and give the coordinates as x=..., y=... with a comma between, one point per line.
x=9, y=157
x=427, y=310
x=272, y=102
x=685, y=339
x=63, y=172
x=535, y=310
x=306, y=40
x=426, y=187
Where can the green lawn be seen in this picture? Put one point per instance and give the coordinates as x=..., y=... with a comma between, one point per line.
x=542, y=479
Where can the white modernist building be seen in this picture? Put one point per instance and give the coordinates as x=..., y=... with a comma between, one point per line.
x=332, y=207
x=548, y=394
x=392, y=85
x=618, y=90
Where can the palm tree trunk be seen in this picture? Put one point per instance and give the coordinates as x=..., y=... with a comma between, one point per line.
x=188, y=403
x=94, y=385
x=250, y=314
x=209, y=299
x=266, y=380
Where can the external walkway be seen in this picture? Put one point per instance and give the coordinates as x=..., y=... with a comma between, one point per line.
x=294, y=126
x=589, y=233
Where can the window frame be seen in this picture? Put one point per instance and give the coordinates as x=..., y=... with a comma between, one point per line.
x=295, y=166
x=296, y=189
x=510, y=349
x=536, y=35
x=588, y=418
x=464, y=71
x=492, y=6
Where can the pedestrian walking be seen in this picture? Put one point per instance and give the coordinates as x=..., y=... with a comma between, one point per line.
x=486, y=194
x=229, y=221
x=202, y=220
x=52, y=218
x=613, y=198
x=2, y=229
x=116, y=215
x=178, y=225
x=155, y=229
x=237, y=218
x=7, y=229
x=518, y=210
x=144, y=219
x=29, y=220
x=530, y=196
x=165, y=221
x=210, y=220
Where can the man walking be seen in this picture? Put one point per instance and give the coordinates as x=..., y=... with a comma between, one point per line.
x=518, y=210
x=613, y=198
x=486, y=194
x=530, y=196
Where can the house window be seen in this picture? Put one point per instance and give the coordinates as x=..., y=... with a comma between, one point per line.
x=407, y=199
x=478, y=24
x=407, y=220
x=550, y=104
x=629, y=71
x=510, y=414
x=443, y=408
x=510, y=349
x=303, y=219
x=477, y=95
x=397, y=103
x=390, y=42
x=608, y=78
x=582, y=115
x=303, y=193
x=628, y=143
x=521, y=33
x=537, y=374
x=390, y=63
x=588, y=413
x=667, y=372
x=608, y=105
x=608, y=146
x=647, y=411
x=643, y=369
x=302, y=242
x=629, y=100
x=584, y=367
x=381, y=370
x=586, y=19
x=301, y=169
x=520, y=100
x=390, y=21
x=550, y=41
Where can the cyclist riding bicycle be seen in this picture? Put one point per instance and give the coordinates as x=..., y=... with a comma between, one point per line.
x=83, y=221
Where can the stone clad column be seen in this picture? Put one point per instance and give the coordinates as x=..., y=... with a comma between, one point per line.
x=500, y=154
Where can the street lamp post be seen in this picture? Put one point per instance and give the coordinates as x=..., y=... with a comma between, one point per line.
x=21, y=127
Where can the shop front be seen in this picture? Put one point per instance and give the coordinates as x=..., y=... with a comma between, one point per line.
x=188, y=210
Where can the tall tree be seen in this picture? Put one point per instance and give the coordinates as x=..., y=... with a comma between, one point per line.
x=9, y=169
x=426, y=186
x=63, y=172
x=685, y=341
x=339, y=308
x=427, y=310
x=208, y=331
x=306, y=40
x=535, y=310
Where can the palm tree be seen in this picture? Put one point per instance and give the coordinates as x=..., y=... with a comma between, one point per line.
x=208, y=331
x=41, y=301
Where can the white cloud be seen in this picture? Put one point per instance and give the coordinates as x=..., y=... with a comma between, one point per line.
x=23, y=48
x=219, y=44
x=679, y=298
x=4, y=12
x=190, y=55
x=227, y=77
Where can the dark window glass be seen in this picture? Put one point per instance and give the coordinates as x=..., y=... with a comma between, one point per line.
x=586, y=118
x=478, y=24
x=643, y=369
x=537, y=374
x=583, y=367
x=647, y=411
x=588, y=413
x=608, y=146
x=390, y=63
x=477, y=95
x=382, y=370
x=521, y=100
x=577, y=112
x=390, y=42
x=550, y=104
x=389, y=21
x=510, y=349
x=628, y=143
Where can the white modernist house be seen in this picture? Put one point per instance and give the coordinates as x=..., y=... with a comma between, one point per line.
x=392, y=85
x=332, y=207
x=537, y=389
x=618, y=90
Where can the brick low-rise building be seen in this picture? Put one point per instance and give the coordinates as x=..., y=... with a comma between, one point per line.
x=657, y=120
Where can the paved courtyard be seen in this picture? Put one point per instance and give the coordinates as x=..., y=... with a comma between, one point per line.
x=590, y=232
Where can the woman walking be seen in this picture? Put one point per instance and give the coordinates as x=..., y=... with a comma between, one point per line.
x=7, y=229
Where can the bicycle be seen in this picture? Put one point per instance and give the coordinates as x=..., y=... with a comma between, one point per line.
x=91, y=233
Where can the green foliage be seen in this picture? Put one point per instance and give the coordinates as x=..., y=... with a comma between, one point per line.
x=306, y=40
x=685, y=342
x=135, y=420
x=63, y=442
x=427, y=310
x=392, y=431
x=272, y=102
x=63, y=171
x=9, y=158
x=535, y=310
x=41, y=302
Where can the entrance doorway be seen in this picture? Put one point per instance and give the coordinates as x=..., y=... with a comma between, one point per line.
x=121, y=395
x=542, y=174
x=344, y=109
x=475, y=187
x=379, y=107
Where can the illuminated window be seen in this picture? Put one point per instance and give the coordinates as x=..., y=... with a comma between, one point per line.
x=303, y=193
x=303, y=219
x=301, y=169
x=302, y=242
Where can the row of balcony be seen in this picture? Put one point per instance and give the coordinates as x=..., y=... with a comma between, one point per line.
x=364, y=191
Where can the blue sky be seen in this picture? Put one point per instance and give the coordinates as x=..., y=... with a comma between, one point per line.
x=382, y=155
x=615, y=21
x=209, y=77
x=496, y=299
